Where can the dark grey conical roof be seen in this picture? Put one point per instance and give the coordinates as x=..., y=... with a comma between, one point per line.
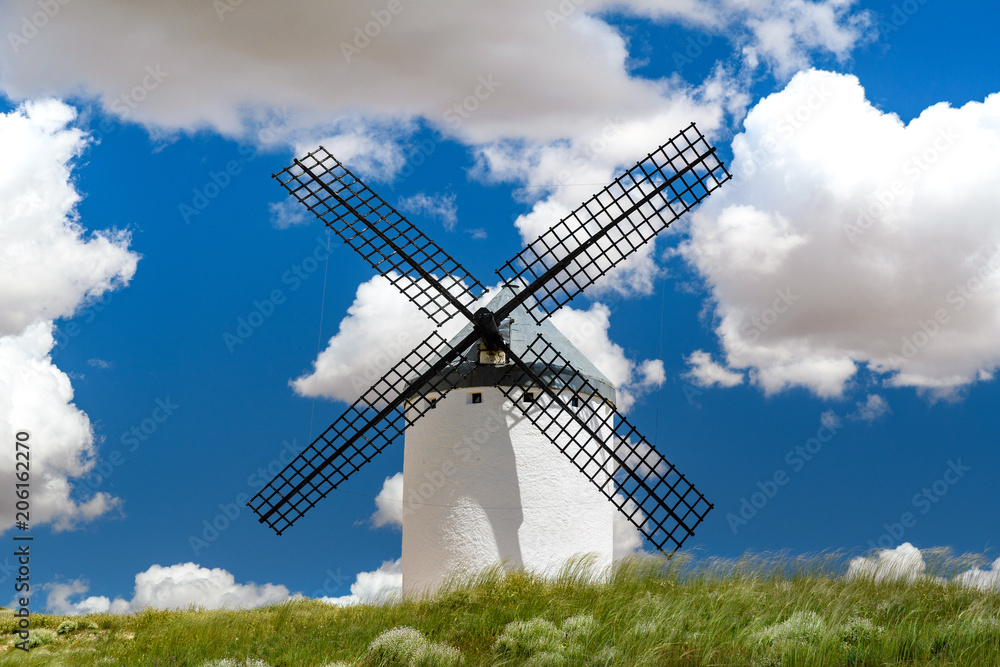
x=519, y=330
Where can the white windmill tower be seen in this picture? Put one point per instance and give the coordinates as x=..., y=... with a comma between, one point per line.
x=482, y=484
x=528, y=494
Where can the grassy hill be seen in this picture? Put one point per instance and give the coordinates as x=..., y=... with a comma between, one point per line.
x=755, y=611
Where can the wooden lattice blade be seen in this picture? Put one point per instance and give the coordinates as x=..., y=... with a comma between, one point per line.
x=364, y=430
x=603, y=231
x=647, y=489
x=391, y=244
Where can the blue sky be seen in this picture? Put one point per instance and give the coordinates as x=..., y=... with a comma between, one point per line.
x=169, y=131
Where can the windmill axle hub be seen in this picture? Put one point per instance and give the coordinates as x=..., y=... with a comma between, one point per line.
x=486, y=326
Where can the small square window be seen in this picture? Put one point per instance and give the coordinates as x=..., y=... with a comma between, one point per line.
x=477, y=397
x=529, y=397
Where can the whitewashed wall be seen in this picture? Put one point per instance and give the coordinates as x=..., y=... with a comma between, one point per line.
x=481, y=485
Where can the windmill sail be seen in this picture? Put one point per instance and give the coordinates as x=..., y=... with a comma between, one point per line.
x=662, y=504
x=370, y=425
x=414, y=264
x=575, y=252
x=658, y=500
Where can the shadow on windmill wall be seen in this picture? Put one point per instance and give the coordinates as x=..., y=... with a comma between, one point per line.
x=476, y=516
x=506, y=515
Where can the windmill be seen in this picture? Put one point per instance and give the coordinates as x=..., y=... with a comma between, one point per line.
x=559, y=458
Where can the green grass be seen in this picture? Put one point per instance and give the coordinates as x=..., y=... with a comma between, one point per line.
x=754, y=611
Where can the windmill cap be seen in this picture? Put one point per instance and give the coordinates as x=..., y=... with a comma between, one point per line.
x=520, y=330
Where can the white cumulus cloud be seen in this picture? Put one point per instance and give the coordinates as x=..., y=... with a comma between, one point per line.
x=218, y=64
x=389, y=503
x=986, y=580
x=628, y=540
x=58, y=600
x=381, y=327
x=383, y=584
x=289, y=212
x=563, y=173
x=200, y=67
x=874, y=407
x=171, y=587
x=588, y=331
x=36, y=398
x=436, y=206
x=782, y=34
x=849, y=239
x=546, y=96
x=49, y=267
x=705, y=372
x=905, y=562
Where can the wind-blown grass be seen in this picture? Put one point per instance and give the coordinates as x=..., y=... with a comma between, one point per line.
x=758, y=610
